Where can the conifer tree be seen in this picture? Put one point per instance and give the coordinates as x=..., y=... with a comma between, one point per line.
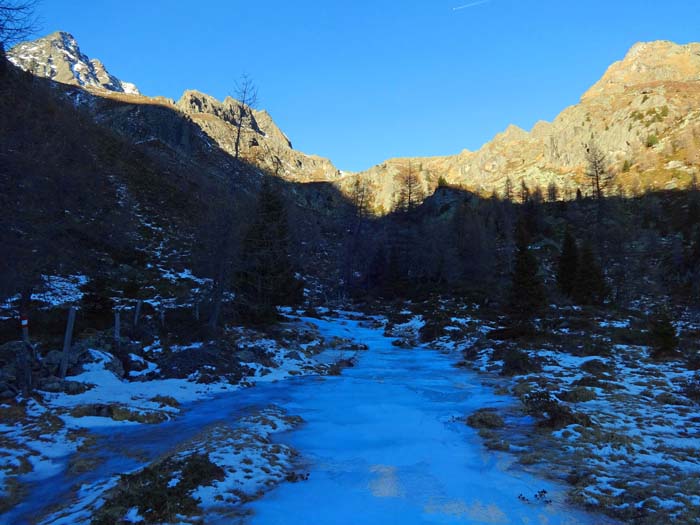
x=589, y=287
x=524, y=192
x=377, y=270
x=527, y=296
x=508, y=190
x=394, y=278
x=266, y=278
x=568, y=265
x=693, y=256
x=662, y=335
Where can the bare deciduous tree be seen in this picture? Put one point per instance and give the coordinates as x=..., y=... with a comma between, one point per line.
x=227, y=236
x=247, y=96
x=17, y=20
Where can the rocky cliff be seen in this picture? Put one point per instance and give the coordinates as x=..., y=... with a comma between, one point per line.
x=644, y=114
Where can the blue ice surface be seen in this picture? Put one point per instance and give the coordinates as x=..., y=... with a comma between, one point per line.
x=386, y=443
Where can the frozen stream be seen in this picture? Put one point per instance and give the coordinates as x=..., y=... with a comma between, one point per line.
x=384, y=443
x=387, y=444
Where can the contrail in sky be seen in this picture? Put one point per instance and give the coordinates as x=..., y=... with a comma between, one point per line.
x=473, y=4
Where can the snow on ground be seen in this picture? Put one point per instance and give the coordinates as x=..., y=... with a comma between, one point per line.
x=245, y=463
x=639, y=454
x=33, y=443
x=57, y=290
x=138, y=396
x=37, y=435
x=252, y=463
x=54, y=290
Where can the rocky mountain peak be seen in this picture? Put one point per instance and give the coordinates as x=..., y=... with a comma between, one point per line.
x=648, y=62
x=58, y=57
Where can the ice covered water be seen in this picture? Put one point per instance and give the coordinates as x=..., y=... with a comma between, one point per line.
x=386, y=443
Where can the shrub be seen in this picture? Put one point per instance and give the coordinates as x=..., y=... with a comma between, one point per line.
x=691, y=388
x=596, y=367
x=693, y=361
x=662, y=335
x=433, y=328
x=517, y=362
x=652, y=140
x=550, y=411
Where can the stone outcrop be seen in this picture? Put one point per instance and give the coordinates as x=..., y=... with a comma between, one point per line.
x=262, y=142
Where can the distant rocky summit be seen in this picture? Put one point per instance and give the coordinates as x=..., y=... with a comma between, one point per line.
x=58, y=57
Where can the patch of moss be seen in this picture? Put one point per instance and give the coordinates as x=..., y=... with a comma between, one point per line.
x=485, y=418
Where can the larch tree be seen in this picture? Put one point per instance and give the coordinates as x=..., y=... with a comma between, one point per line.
x=590, y=286
x=597, y=170
x=662, y=334
x=361, y=199
x=247, y=96
x=524, y=191
x=411, y=190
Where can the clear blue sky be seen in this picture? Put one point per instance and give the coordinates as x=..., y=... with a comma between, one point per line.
x=363, y=81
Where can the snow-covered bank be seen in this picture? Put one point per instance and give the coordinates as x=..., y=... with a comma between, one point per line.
x=53, y=436
x=619, y=425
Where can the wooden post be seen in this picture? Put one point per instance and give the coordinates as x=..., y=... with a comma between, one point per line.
x=117, y=329
x=67, y=342
x=25, y=370
x=24, y=323
x=137, y=314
